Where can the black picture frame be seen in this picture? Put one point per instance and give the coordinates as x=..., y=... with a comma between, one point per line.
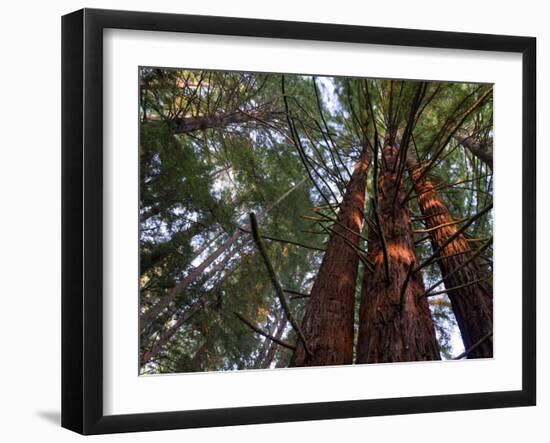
x=82, y=215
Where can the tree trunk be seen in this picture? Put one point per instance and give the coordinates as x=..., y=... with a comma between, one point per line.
x=328, y=321
x=165, y=301
x=472, y=304
x=395, y=323
x=185, y=316
x=482, y=151
x=190, y=124
x=158, y=345
x=200, y=358
x=269, y=348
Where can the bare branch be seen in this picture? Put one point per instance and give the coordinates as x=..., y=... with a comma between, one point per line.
x=442, y=225
x=444, y=291
x=453, y=237
x=265, y=334
x=289, y=242
x=474, y=346
x=462, y=265
x=276, y=285
x=432, y=161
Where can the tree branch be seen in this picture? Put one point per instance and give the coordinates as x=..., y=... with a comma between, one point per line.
x=265, y=334
x=443, y=225
x=360, y=253
x=298, y=144
x=462, y=265
x=474, y=346
x=432, y=161
x=443, y=291
x=453, y=237
x=282, y=240
x=276, y=285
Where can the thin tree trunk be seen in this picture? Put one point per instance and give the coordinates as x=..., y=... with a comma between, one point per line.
x=472, y=304
x=163, y=250
x=156, y=309
x=482, y=151
x=395, y=324
x=259, y=362
x=168, y=334
x=269, y=348
x=200, y=358
x=184, y=317
x=190, y=124
x=328, y=321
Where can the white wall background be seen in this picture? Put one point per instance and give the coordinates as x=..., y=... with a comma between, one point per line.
x=30, y=223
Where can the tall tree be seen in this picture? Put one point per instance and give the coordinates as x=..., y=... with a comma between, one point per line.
x=328, y=319
x=394, y=321
x=471, y=296
x=337, y=280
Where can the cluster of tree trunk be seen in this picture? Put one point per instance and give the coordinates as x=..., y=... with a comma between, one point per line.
x=395, y=323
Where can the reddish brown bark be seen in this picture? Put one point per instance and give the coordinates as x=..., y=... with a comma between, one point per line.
x=394, y=319
x=328, y=321
x=472, y=304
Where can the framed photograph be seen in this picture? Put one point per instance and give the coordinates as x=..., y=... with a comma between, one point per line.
x=269, y=221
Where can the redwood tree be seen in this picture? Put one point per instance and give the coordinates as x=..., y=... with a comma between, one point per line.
x=348, y=261
x=471, y=296
x=328, y=320
x=394, y=321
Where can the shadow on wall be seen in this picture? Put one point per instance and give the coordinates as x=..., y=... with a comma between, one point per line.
x=53, y=417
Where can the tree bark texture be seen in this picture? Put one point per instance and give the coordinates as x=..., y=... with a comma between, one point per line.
x=186, y=125
x=395, y=323
x=472, y=304
x=328, y=321
x=481, y=150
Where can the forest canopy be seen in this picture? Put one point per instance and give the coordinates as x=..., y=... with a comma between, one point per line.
x=298, y=220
